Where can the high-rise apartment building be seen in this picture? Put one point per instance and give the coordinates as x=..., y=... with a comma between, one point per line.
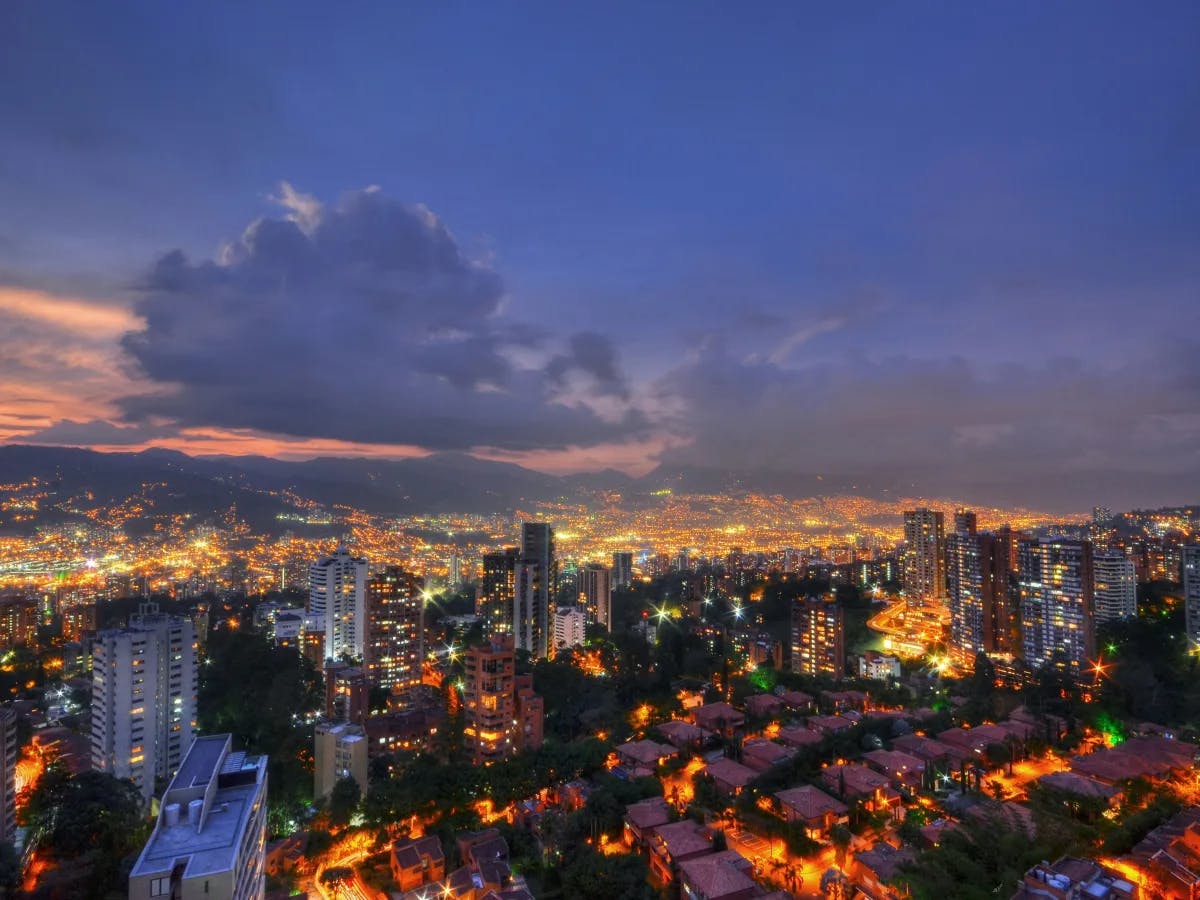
x=622, y=569
x=977, y=572
x=818, y=637
x=144, y=697
x=337, y=592
x=9, y=749
x=924, y=556
x=1115, y=588
x=211, y=833
x=1057, y=611
x=19, y=620
x=502, y=713
x=1191, y=593
x=395, y=640
x=570, y=627
x=965, y=522
x=339, y=751
x=595, y=593
x=497, y=591
x=537, y=589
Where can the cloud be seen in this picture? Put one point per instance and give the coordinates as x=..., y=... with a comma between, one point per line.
x=362, y=321
x=83, y=317
x=1056, y=435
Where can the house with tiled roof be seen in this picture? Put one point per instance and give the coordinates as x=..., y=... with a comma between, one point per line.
x=643, y=817
x=764, y=706
x=675, y=843
x=762, y=755
x=718, y=876
x=417, y=861
x=730, y=776
x=719, y=718
x=814, y=809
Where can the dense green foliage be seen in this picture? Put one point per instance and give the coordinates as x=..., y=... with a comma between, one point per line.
x=91, y=826
x=261, y=695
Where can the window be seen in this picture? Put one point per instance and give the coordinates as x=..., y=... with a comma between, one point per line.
x=160, y=887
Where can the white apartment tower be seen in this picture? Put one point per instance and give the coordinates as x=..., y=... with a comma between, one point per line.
x=337, y=592
x=210, y=838
x=1115, y=591
x=144, y=697
x=570, y=627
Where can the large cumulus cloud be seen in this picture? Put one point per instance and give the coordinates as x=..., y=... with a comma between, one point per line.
x=364, y=321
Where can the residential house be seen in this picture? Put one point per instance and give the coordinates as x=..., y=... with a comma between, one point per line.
x=813, y=808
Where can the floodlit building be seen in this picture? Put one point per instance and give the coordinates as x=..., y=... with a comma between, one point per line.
x=1057, y=615
x=570, y=627
x=1115, y=586
x=339, y=751
x=924, y=562
x=144, y=697
x=818, y=637
x=210, y=836
x=395, y=640
x=337, y=593
x=595, y=593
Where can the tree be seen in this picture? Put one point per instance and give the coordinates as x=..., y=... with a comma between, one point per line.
x=840, y=837
x=343, y=801
x=592, y=876
x=88, y=824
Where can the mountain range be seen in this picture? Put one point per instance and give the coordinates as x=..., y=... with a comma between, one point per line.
x=441, y=482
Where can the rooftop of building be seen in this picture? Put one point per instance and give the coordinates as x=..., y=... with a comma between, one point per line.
x=719, y=874
x=211, y=844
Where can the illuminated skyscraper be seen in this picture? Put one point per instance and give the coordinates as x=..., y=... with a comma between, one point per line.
x=395, y=629
x=965, y=522
x=497, y=591
x=1191, y=593
x=1057, y=614
x=1115, y=589
x=924, y=555
x=977, y=569
x=622, y=569
x=144, y=697
x=818, y=637
x=595, y=594
x=337, y=592
x=536, y=589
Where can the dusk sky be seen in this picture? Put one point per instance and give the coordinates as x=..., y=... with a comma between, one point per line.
x=952, y=249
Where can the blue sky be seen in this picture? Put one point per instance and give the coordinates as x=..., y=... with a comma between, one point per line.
x=798, y=197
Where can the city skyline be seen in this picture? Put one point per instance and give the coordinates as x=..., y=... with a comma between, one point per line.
x=679, y=243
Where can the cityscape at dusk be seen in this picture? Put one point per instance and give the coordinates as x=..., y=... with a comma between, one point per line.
x=675, y=451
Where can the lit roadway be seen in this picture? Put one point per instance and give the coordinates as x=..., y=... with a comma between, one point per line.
x=349, y=851
x=909, y=631
x=773, y=863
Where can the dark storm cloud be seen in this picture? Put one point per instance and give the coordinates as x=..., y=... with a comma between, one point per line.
x=1048, y=435
x=592, y=355
x=363, y=322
